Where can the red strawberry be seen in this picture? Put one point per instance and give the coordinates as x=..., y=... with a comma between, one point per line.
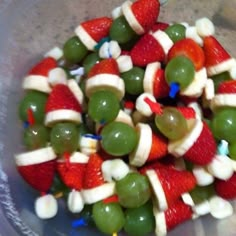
x=187, y=112
x=227, y=87
x=226, y=189
x=97, y=28
x=147, y=50
x=43, y=67
x=214, y=52
x=39, y=176
x=72, y=174
x=160, y=87
x=158, y=148
x=146, y=12
x=111, y=199
x=106, y=66
x=62, y=98
x=172, y=183
x=93, y=174
x=190, y=49
x=204, y=148
x=177, y=214
x=159, y=26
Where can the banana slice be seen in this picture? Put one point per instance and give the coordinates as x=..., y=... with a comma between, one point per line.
x=98, y=193
x=130, y=17
x=35, y=157
x=161, y=228
x=37, y=82
x=85, y=38
x=140, y=155
x=158, y=190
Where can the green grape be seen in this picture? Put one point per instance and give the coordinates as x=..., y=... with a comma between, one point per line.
x=118, y=138
x=121, y=31
x=180, y=70
x=64, y=138
x=139, y=221
x=74, y=50
x=224, y=124
x=176, y=32
x=35, y=101
x=103, y=106
x=36, y=136
x=133, y=190
x=89, y=61
x=133, y=80
x=219, y=78
x=171, y=123
x=108, y=217
x=201, y=193
x=232, y=151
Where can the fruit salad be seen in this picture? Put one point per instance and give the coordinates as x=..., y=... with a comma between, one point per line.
x=132, y=122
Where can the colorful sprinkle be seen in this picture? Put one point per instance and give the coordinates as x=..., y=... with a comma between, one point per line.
x=154, y=106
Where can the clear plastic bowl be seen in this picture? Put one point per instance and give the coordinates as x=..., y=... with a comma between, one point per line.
x=28, y=29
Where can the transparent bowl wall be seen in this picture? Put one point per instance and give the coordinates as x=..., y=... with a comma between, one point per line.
x=28, y=29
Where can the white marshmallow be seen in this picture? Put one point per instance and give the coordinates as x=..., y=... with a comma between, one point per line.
x=57, y=76
x=124, y=63
x=114, y=169
x=191, y=32
x=55, y=53
x=220, y=208
x=202, y=176
x=116, y=12
x=205, y=27
x=46, y=207
x=142, y=106
x=221, y=167
x=75, y=202
x=202, y=208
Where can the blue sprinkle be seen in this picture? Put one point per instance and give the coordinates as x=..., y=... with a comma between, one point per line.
x=78, y=223
x=174, y=89
x=222, y=148
x=25, y=124
x=101, y=42
x=93, y=136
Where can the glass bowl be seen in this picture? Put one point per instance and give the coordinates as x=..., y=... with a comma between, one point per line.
x=28, y=29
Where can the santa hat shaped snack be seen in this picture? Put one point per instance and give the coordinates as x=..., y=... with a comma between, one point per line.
x=37, y=78
x=105, y=76
x=62, y=105
x=92, y=31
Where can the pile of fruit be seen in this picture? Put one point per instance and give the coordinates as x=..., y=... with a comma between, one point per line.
x=133, y=122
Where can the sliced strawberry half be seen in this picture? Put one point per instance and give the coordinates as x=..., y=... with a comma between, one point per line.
x=92, y=31
x=94, y=186
x=227, y=87
x=217, y=59
x=37, y=78
x=172, y=217
x=190, y=49
x=147, y=50
x=62, y=105
x=43, y=67
x=37, y=168
x=106, y=66
x=105, y=75
x=226, y=188
x=146, y=12
x=187, y=112
x=72, y=170
x=199, y=155
x=169, y=184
